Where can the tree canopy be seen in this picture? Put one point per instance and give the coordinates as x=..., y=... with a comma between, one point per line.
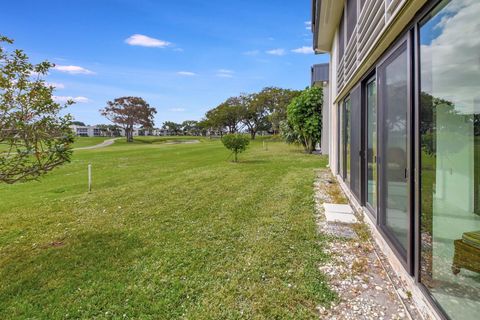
x=128, y=112
x=252, y=113
x=34, y=137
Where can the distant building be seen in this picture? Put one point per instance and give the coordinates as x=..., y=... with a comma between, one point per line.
x=404, y=131
x=97, y=131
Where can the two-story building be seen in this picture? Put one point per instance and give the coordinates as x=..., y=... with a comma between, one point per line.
x=404, y=138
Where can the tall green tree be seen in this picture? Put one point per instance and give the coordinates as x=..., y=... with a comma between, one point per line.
x=128, y=112
x=304, y=115
x=227, y=116
x=276, y=101
x=34, y=137
x=190, y=127
x=172, y=127
x=254, y=113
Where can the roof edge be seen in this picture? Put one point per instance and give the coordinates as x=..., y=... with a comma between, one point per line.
x=326, y=15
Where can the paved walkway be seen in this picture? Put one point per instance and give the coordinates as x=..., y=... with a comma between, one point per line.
x=104, y=144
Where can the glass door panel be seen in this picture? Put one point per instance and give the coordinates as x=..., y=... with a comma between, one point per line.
x=341, y=149
x=394, y=91
x=450, y=154
x=371, y=93
x=347, y=138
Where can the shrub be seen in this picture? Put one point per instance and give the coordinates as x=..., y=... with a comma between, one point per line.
x=237, y=143
x=304, y=115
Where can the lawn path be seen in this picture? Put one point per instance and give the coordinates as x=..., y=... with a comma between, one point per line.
x=104, y=144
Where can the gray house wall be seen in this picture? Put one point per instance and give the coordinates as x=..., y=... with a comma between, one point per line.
x=320, y=78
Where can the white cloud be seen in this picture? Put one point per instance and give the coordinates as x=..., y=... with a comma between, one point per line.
x=176, y=109
x=64, y=99
x=146, y=41
x=73, y=69
x=56, y=85
x=225, y=73
x=308, y=25
x=276, y=52
x=251, y=53
x=304, y=50
x=186, y=73
x=450, y=63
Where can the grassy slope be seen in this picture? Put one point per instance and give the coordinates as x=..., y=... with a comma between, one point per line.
x=168, y=232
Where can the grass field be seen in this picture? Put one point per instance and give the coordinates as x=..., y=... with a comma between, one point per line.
x=168, y=232
x=81, y=142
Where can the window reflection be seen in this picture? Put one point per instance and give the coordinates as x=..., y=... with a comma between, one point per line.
x=450, y=141
x=372, y=143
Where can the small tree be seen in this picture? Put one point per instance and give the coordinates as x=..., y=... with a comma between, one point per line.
x=128, y=112
x=237, y=143
x=304, y=115
x=34, y=138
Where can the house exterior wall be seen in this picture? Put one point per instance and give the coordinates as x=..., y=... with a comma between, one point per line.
x=386, y=42
x=320, y=77
x=333, y=107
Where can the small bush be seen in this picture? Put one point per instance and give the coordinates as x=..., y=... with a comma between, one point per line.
x=237, y=143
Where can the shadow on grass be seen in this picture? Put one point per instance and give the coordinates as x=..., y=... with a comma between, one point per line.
x=253, y=161
x=92, y=267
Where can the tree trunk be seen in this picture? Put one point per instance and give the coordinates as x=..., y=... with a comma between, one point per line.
x=236, y=156
x=253, y=134
x=129, y=134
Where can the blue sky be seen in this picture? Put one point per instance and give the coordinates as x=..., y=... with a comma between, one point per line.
x=183, y=57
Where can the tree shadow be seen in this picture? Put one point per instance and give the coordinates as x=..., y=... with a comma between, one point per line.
x=253, y=161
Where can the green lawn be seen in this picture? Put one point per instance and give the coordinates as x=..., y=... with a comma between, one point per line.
x=81, y=142
x=169, y=232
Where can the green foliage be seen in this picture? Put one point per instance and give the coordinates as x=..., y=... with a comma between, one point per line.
x=237, y=143
x=34, y=138
x=172, y=127
x=304, y=115
x=261, y=111
x=190, y=127
x=226, y=116
x=276, y=100
x=288, y=134
x=128, y=112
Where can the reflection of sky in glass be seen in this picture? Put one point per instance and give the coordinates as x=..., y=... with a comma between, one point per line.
x=450, y=54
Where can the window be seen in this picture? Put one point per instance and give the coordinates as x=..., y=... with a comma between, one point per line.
x=450, y=154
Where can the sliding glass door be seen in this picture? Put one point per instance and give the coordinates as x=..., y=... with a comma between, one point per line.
x=371, y=144
x=394, y=125
x=347, y=136
x=450, y=153
x=344, y=138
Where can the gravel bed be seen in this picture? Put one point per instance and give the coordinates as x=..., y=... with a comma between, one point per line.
x=366, y=286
